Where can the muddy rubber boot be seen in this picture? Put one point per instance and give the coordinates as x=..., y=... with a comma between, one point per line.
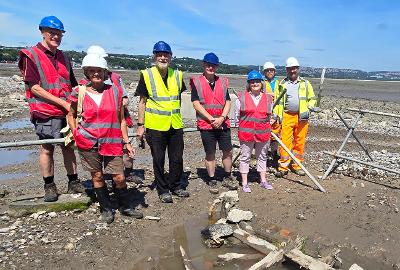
x=50, y=192
x=107, y=214
x=125, y=206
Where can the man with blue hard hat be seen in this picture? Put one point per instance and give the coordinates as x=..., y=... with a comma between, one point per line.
x=160, y=89
x=49, y=79
x=211, y=100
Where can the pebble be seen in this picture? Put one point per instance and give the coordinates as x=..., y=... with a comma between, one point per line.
x=5, y=218
x=301, y=217
x=37, y=214
x=52, y=214
x=69, y=246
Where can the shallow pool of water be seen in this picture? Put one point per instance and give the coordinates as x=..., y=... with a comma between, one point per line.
x=9, y=157
x=189, y=237
x=20, y=123
x=10, y=176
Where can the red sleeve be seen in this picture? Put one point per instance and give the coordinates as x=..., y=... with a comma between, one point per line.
x=73, y=97
x=29, y=70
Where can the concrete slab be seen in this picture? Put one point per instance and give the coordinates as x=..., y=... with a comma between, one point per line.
x=26, y=205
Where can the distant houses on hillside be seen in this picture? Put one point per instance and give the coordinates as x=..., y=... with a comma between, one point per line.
x=135, y=62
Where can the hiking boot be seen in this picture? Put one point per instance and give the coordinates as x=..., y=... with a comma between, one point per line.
x=50, y=192
x=126, y=207
x=213, y=186
x=181, y=193
x=134, y=179
x=230, y=183
x=299, y=172
x=165, y=198
x=281, y=174
x=107, y=214
x=76, y=186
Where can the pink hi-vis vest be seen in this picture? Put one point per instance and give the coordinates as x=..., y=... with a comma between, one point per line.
x=254, y=123
x=100, y=124
x=56, y=81
x=115, y=79
x=212, y=101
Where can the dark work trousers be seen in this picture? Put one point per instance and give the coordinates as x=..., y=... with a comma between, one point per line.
x=159, y=142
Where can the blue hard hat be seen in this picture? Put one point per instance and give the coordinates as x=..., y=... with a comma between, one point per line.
x=211, y=58
x=162, y=46
x=51, y=22
x=254, y=75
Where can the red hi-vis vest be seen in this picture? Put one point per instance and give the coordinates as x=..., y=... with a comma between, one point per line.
x=213, y=101
x=56, y=81
x=100, y=124
x=254, y=123
x=115, y=78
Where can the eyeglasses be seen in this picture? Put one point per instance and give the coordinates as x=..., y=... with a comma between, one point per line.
x=53, y=34
x=270, y=70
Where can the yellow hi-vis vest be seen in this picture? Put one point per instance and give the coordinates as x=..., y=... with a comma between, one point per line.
x=163, y=107
x=268, y=88
x=306, y=97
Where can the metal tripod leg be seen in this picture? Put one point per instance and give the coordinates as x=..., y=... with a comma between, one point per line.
x=328, y=171
x=354, y=134
x=298, y=162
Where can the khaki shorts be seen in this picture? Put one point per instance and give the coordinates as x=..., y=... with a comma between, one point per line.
x=92, y=161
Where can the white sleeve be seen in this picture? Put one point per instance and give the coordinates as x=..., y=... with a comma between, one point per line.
x=237, y=112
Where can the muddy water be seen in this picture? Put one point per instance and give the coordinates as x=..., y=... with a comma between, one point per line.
x=188, y=236
x=9, y=157
x=21, y=123
x=12, y=157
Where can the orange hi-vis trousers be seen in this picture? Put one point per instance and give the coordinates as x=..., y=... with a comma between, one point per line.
x=293, y=135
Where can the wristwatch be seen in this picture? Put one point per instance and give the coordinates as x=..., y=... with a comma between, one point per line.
x=140, y=124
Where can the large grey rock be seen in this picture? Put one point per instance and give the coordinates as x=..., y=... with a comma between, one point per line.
x=26, y=205
x=217, y=231
x=237, y=215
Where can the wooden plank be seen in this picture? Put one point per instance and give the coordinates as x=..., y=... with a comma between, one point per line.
x=186, y=261
x=255, y=242
x=306, y=261
x=269, y=260
x=238, y=256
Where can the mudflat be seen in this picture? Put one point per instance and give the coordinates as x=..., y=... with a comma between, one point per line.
x=359, y=212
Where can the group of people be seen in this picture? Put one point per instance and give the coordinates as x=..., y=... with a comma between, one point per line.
x=95, y=110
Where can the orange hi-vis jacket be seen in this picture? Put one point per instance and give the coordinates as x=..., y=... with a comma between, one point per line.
x=100, y=125
x=213, y=101
x=254, y=123
x=56, y=81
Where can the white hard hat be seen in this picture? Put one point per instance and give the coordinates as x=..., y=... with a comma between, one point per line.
x=94, y=60
x=268, y=65
x=292, y=62
x=96, y=49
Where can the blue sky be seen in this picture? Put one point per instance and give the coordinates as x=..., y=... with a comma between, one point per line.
x=344, y=34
